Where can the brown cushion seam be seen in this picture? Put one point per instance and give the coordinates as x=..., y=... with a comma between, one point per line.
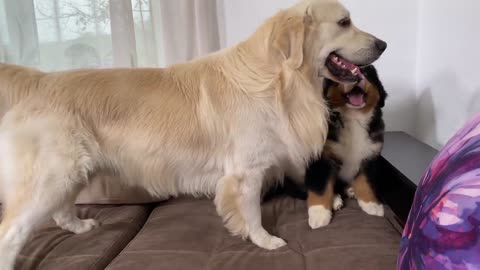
x=122, y=234
x=184, y=216
x=71, y=256
x=133, y=238
x=164, y=251
x=42, y=260
x=387, y=247
x=302, y=254
x=214, y=250
x=256, y=253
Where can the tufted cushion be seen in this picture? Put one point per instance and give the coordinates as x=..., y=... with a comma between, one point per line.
x=443, y=228
x=53, y=248
x=188, y=234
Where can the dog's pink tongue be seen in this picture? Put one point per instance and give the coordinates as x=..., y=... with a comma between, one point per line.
x=356, y=99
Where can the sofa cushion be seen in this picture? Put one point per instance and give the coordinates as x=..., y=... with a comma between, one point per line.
x=53, y=248
x=188, y=234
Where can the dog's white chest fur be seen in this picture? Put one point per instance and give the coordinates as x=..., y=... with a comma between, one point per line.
x=354, y=144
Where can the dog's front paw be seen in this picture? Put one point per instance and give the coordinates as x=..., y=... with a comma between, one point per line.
x=270, y=243
x=275, y=242
x=372, y=208
x=264, y=240
x=319, y=216
x=337, y=203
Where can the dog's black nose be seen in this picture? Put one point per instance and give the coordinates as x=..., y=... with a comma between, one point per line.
x=381, y=45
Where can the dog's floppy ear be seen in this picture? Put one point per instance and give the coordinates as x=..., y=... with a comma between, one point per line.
x=289, y=36
x=371, y=74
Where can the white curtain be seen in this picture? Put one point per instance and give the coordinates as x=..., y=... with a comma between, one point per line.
x=69, y=34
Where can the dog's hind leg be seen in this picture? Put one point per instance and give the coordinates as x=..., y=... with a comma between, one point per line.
x=66, y=218
x=26, y=209
x=39, y=177
x=19, y=219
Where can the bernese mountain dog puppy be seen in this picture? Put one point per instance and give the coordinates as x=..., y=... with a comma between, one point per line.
x=355, y=140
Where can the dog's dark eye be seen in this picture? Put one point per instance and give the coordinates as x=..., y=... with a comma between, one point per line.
x=345, y=22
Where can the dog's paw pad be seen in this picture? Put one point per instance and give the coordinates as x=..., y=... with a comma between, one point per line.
x=319, y=216
x=337, y=203
x=372, y=208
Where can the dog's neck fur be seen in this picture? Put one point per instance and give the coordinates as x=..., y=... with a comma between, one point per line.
x=292, y=90
x=257, y=58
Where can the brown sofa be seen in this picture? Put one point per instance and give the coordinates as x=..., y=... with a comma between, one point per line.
x=186, y=233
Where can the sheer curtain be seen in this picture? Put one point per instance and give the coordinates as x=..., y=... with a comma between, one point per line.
x=69, y=34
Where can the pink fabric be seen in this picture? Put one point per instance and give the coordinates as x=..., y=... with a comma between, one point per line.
x=443, y=229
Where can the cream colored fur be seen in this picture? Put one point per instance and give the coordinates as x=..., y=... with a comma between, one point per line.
x=225, y=125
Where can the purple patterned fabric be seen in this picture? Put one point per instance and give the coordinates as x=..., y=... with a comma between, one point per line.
x=443, y=228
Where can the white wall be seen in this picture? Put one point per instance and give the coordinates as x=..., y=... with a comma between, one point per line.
x=448, y=70
x=393, y=21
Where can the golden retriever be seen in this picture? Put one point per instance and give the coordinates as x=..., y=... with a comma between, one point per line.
x=224, y=125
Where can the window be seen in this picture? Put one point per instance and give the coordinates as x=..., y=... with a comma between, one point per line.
x=78, y=30
x=70, y=34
